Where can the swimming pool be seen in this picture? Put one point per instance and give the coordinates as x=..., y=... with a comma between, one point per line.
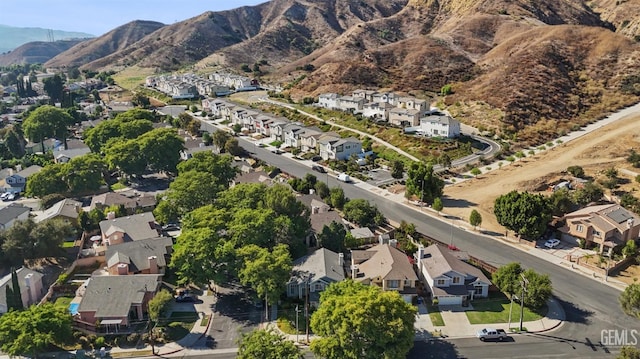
x=73, y=308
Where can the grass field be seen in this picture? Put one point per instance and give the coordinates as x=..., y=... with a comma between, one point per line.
x=180, y=324
x=63, y=302
x=497, y=311
x=132, y=77
x=436, y=317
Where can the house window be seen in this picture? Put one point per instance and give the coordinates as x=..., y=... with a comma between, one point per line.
x=579, y=228
x=407, y=283
x=597, y=233
x=318, y=287
x=456, y=280
x=478, y=290
x=440, y=282
x=393, y=284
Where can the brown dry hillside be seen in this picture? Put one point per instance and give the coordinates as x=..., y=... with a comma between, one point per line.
x=36, y=52
x=115, y=40
x=623, y=14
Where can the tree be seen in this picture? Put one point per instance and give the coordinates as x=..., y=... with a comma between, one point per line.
x=28, y=240
x=591, y=192
x=629, y=353
x=509, y=279
x=31, y=331
x=159, y=304
x=126, y=156
x=576, y=171
x=221, y=166
x=437, y=205
x=397, y=169
x=84, y=173
x=140, y=100
x=332, y=237
x=322, y=189
x=233, y=147
x=444, y=160
x=475, y=171
x=446, y=90
x=161, y=149
x=266, y=344
x=359, y=321
x=190, y=190
x=49, y=180
x=630, y=300
x=561, y=202
x=220, y=139
x=49, y=200
x=361, y=212
x=337, y=198
x=13, y=293
x=47, y=121
x=630, y=249
x=475, y=219
x=266, y=272
x=423, y=182
x=54, y=87
x=524, y=213
x=15, y=142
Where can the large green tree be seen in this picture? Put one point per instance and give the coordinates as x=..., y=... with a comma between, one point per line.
x=266, y=344
x=127, y=125
x=28, y=240
x=510, y=278
x=220, y=166
x=423, y=182
x=266, y=272
x=332, y=237
x=159, y=305
x=161, y=149
x=524, y=213
x=31, y=331
x=54, y=87
x=356, y=321
x=362, y=213
x=47, y=122
x=630, y=300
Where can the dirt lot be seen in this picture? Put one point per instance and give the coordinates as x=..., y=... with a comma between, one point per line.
x=596, y=151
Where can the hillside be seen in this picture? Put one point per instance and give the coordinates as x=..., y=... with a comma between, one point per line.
x=12, y=37
x=37, y=52
x=115, y=40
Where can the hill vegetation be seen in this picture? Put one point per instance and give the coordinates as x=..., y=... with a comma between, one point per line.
x=12, y=37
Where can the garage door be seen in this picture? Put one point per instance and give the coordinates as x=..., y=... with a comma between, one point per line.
x=449, y=300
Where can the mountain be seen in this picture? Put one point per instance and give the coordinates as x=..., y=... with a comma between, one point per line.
x=115, y=40
x=521, y=69
x=37, y=52
x=12, y=37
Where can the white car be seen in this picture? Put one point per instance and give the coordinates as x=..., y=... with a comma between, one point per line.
x=552, y=243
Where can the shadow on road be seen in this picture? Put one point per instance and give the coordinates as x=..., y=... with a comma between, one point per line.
x=575, y=314
x=440, y=349
x=457, y=203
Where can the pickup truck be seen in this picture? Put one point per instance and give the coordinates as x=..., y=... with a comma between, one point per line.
x=491, y=334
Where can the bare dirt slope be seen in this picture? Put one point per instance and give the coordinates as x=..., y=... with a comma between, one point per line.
x=600, y=149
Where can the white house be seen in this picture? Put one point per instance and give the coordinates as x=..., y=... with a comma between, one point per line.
x=350, y=103
x=333, y=148
x=450, y=280
x=377, y=110
x=328, y=100
x=367, y=95
x=439, y=125
x=30, y=283
x=404, y=117
x=12, y=213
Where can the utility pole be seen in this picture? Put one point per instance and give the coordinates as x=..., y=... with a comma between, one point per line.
x=510, y=309
x=297, y=331
x=524, y=284
x=306, y=308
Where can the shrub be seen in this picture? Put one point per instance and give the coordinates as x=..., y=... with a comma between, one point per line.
x=99, y=342
x=133, y=338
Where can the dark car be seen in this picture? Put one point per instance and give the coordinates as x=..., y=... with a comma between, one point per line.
x=171, y=227
x=278, y=152
x=318, y=169
x=185, y=298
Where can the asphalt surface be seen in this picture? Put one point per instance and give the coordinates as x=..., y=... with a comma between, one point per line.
x=590, y=307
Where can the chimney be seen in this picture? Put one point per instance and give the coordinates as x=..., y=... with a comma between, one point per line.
x=420, y=253
x=123, y=269
x=312, y=191
x=340, y=259
x=393, y=243
x=111, y=215
x=153, y=265
x=315, y=210
x=354, y=271
x=629, y=223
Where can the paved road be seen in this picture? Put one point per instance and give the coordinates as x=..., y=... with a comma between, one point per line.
x=590, y=306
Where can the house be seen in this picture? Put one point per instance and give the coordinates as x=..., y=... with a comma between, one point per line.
x=312, y=273
x=387, y=267
x=113, y=301
x=350, y=103
x=450, y=280
x=31, y=288
x=131, y=228
x=47, y=145
x=377, y=110
x=292, y=135
x=12, y=213
x=388, y=97
x=363, y=235
x=314, y=203
x=147, y=256
x=606, y=226
x=340, y=149
x=131, y=204
x=253, y=177
x=16, y=182
x=278, y=128
x=404, y=117
x=439, y=126
x=367, y=95
x=67, y=209
x=329, y=100
x=318, y=221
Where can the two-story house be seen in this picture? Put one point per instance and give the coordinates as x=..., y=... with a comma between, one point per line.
x=450, y=280
x=367, y=95
x=328, y=100
x=16, y=182
x=130, y=228
x=387, y=267
x=607, y=226
x=350, y=103
x=312, y=273
x=377, y=110
x=292, y=135
x=332, y=148
x=439, y=126
x=147, y=256
x=30, y=284
x=309, y=139
x=404, y=117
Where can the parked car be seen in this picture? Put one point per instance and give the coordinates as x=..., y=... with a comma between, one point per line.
x=184, y=295
x=277, y=152
x=318, y=169
x=316, y=158
x=552, y=243
x=171, y=227
x=344, y=178
x=4, y=195
x=11, y=197
x=492, y=334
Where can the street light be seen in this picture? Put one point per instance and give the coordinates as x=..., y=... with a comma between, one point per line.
x=297, y=331
x=524, y=284
x=510, y=310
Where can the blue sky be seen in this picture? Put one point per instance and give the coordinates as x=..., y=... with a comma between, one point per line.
x=100, y=16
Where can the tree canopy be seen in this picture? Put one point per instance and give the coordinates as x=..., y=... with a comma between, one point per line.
x=31, y=331
x=475, y=219
x=80, y=174
x=524, y=213
x=356, y=321
x=266, y=272
x=126, y=125
x=266, y=344
x=630, y=300
x=332, y=237
x=28, y=240
x=423, y=182
x=159, y=305
x=47, y=122
x=509, y=279
x=362, y=213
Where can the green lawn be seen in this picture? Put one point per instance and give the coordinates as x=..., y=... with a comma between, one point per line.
x=116, y=186
x=436, y=317
x=497, y=311
x=179, y=324
x=287, y=321
x=63, y=302
x=68, y=244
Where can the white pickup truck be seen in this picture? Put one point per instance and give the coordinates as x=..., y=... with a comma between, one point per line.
x=491, y=334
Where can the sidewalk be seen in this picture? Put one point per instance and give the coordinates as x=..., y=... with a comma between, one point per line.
x=456, y=323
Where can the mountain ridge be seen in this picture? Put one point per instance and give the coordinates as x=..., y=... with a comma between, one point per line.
x=12, y=37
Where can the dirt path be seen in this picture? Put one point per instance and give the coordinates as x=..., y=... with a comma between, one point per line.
x=597, y=150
